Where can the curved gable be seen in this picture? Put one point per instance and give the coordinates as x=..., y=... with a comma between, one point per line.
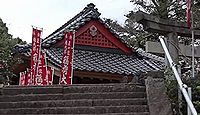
x=94, y=33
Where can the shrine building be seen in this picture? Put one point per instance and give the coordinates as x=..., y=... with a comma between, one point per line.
x=100, y=54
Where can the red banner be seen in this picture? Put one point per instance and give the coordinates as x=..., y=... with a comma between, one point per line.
x=42, y=60
x=188, y=12
x=50, y=73
x=40, y=78
x=36, y=44
x=39, y=74
x=44, y=76
x=66, y=69
x=28, y=77
x=22, y=78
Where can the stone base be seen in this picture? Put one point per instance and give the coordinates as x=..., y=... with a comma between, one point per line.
x=157, y=98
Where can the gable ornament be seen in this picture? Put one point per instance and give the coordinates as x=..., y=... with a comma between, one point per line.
x=93, y=30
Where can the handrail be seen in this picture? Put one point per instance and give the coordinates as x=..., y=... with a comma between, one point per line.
x=178, y=79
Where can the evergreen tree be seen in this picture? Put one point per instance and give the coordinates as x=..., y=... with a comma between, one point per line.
x=128, y=32
x=7, y=62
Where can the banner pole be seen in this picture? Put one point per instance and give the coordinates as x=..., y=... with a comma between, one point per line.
x=46, y=66
x=20, y=74
x=72, y=72
x=28, y=77
x=52, y=74
x=31, y=73
x=192, y=29
x=25, y=78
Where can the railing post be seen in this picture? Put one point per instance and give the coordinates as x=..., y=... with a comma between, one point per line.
x=190, y=95
x=179, y=90
x=178, y=79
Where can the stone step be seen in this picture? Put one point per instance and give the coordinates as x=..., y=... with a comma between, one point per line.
x=72, y=89
x=77, y=110
x=131, y=113
x=70, y=96
x=31, y=90
x=73, y=103
x=57, y=85
x=112, y=88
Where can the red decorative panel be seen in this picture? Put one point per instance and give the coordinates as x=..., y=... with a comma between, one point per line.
x=99, y=39
x=94, y=33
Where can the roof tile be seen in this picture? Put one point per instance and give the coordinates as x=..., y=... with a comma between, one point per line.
x=106, y=62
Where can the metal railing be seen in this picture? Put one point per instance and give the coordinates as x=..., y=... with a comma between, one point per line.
x=178, y=79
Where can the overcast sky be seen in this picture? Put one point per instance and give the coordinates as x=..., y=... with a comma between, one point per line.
x=20, y=15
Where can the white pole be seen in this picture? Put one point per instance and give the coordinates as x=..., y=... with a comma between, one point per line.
x=20, y=74
x=179, y=91
x=46, y=67
x=180, y=83
x=190, y=95
x=52, y=75
x=72, y=71
x=192, y=29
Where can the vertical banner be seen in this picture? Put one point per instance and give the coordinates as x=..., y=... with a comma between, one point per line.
x=22, y=79
x=50, y=73
x=28, y=77
x=35, y=54
x=45, y=77
x=41, y=71
x=188, y=13
x=66, y=70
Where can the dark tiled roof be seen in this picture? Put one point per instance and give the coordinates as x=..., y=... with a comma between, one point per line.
x=22, y=49
x=106, y=62
x=141, y=52
x=140, y=62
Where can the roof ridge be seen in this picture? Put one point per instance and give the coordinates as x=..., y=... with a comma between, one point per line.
x=88, y=12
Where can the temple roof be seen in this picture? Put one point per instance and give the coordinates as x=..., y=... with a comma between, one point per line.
x=91, y=59
x=86, y=15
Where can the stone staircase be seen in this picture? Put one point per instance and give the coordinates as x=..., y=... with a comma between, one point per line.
x=101, y=99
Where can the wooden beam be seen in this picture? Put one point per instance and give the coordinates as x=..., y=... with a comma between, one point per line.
x=163, y=26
